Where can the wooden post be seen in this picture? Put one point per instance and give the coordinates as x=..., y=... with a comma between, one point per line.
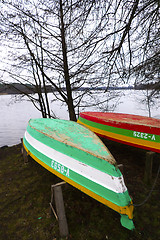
x=148, y=167
x=59, y=203
x=24, y=153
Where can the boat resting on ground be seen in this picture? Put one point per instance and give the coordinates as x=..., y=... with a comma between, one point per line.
x=134, y=130
x=76, y=155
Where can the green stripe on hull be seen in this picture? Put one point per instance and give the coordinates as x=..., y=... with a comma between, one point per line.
x=120, y=199
x=76, y=153
x=120, y=131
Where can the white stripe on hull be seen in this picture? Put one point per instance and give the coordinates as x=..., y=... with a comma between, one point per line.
x=115, y=184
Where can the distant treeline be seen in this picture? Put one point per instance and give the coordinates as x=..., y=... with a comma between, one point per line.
x=149, y=86
x=17, y=88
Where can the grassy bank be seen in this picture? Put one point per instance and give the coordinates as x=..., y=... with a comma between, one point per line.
x=25, y=195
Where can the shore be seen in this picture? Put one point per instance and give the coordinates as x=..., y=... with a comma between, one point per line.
x=25, y=192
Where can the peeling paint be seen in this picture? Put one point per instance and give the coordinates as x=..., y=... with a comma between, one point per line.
x=68, y=137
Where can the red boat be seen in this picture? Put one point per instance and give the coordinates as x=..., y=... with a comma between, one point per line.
x=134, y=130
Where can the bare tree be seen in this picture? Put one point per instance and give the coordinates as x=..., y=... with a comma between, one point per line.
x=63, y=43
x=73, y=44
x=147, y=69
x=135, y=52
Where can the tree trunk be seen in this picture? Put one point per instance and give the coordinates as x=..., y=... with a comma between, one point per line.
x=71, y=109
x=43, y=78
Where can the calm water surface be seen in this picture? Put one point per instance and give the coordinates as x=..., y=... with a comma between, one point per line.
x=14, y=116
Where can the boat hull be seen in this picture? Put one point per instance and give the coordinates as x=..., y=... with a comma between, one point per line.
x=78, y=166
x=137, y=131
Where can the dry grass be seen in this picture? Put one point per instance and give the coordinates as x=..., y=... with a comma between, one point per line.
x=25, y=196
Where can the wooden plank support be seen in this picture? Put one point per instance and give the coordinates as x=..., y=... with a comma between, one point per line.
x=57, y=195
x=24, y=153
x=148, y=167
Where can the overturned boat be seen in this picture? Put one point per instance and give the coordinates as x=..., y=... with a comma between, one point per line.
x=138, y=131
x=76, y=155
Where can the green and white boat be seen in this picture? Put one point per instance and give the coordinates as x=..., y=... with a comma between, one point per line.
x=76, y=155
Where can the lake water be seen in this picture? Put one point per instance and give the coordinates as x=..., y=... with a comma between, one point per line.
x=14, y=116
